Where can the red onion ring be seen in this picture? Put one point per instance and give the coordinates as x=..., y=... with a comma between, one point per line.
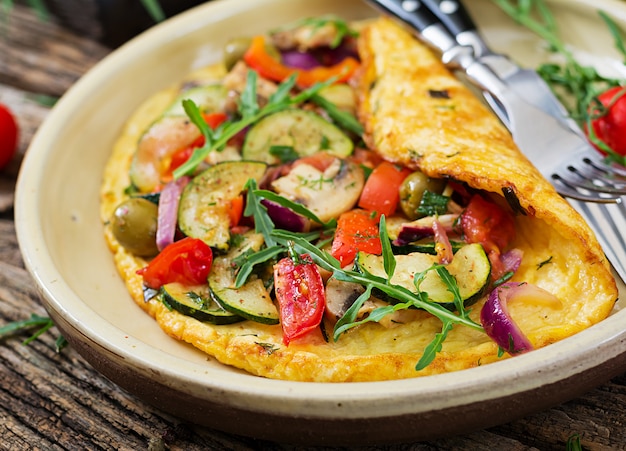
x=497, y=322
x=299, y=60
x=168, y=212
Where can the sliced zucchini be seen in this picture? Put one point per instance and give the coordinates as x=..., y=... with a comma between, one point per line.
x=208, y=98
x=342, y=95
x=251, y=301
x=470, y=267
x=196, y=301
x=203, y=211
x=304, y=131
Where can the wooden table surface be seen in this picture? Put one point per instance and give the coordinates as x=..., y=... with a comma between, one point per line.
x=56, y=401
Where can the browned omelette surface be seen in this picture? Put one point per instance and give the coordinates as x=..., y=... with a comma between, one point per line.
x=456, y=137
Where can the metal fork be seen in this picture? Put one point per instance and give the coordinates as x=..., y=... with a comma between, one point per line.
x=539, y=125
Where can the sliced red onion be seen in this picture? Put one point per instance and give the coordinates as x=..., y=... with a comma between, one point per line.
x=330, y=57
x=497, y=322
x=168, y=212
x=442, y=243
x=423, y=228
x=299, y=60
x=511, y=260
x=284, y=218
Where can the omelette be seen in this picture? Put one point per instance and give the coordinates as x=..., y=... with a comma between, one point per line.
x=298, y=260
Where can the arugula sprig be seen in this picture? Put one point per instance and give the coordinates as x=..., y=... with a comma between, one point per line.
x=577, y=86
x=264, y=225
x=406, y=298
x=249, y=111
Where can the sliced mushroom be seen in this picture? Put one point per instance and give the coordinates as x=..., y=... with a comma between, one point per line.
x=328, y=193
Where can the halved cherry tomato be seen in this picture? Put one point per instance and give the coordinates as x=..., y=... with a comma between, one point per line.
x=268, y=67
x=187, y=261
x=357, y=230
x=9, y=133
x=381, y=192
x=300, y=295
x=610, y=128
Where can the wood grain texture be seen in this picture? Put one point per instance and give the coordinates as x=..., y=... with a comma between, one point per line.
x=56, y=401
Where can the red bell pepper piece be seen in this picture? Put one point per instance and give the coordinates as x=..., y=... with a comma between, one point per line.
x=268, y=67
x=300, y=295
x=356, y=231
x=187, y=261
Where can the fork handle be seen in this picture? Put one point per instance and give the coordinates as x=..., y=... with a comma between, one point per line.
x=452, y=14
x=457, y=20
x=411, y=12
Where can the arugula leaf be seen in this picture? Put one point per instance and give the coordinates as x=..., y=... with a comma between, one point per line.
x=433, y=204
x=328, y=262
x=262, y=222
x=295, y=207
x=430, y=352
x=349, y=317
x=453, y=287
x=254, y=259
x=250, y=114
x=342, y=118
x=389, y=260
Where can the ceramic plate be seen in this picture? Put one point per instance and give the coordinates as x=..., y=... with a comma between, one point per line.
x=60, y=234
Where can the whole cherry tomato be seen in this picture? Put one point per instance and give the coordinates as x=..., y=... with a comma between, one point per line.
x=187, y=261
x=8, y=136
x=610, y=128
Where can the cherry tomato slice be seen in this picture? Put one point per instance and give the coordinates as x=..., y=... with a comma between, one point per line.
x=9, y=133
x=187, y=261
x=381, y=192
x=300, y=295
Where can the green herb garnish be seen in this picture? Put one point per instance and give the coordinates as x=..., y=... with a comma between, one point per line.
x=250, y=112
x=407, y=299
x=43, y=323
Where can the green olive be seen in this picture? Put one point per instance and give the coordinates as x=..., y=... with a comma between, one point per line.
x=412, y=191
x=134, y=225
x=234, y=50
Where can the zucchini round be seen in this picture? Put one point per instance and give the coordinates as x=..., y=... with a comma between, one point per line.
x=305, y=132
x=196, y=301
x=470, y=267
x=203, y=211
